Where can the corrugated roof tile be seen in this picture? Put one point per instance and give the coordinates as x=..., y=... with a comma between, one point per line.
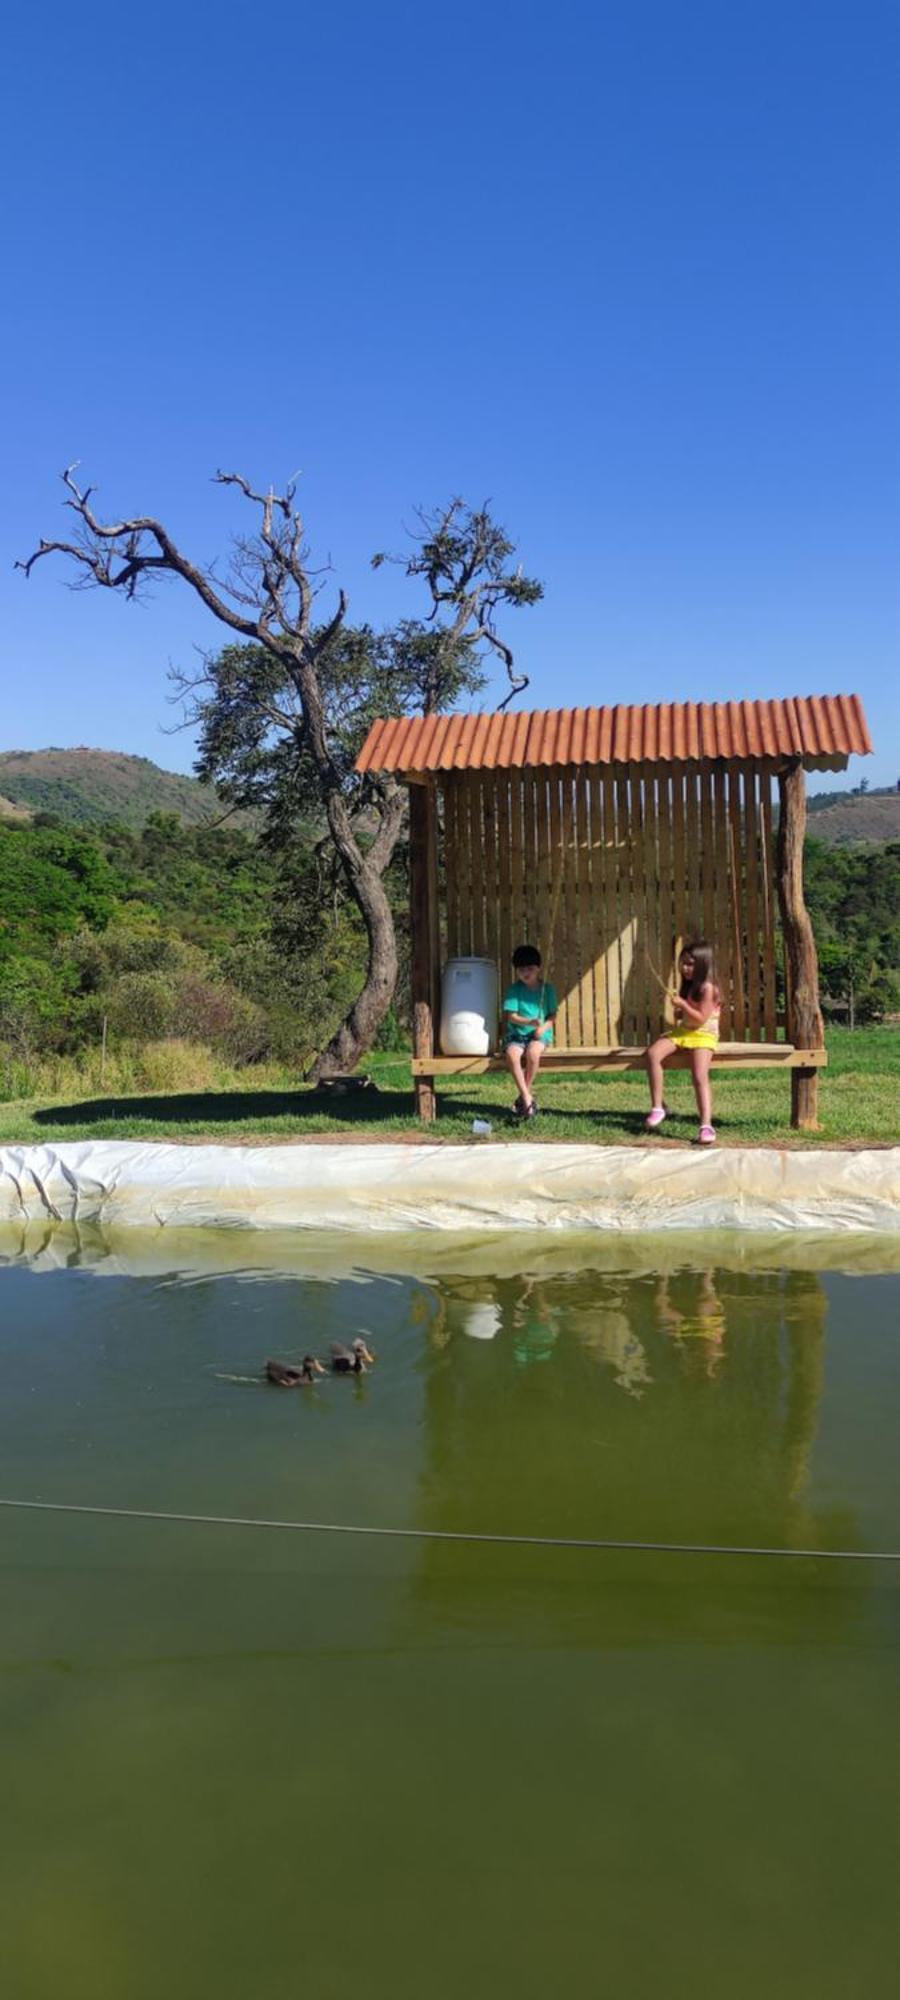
x=824, y=729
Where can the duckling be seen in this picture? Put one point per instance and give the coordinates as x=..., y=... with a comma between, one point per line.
x=285, y=1376
x=351, y=1360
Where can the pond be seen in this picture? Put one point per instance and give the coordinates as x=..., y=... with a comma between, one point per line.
x=243, y=1762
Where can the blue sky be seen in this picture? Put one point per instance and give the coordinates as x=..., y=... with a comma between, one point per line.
x=630, y=271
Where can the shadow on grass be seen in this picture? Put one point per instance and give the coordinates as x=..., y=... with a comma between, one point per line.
x=204, y=1110
x=233, y=1107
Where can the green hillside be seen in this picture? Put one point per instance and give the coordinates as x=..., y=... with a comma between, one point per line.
x=86, y=787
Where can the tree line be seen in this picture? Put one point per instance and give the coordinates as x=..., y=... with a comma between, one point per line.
x=253, y=947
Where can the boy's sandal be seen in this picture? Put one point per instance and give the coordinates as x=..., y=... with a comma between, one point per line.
x=531, y=1110
x=706, y=1135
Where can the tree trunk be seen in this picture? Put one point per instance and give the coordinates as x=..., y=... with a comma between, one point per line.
x=357, y=1031
x=805, y=1027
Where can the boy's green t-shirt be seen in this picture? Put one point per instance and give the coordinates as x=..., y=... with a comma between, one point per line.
x=538, y=1003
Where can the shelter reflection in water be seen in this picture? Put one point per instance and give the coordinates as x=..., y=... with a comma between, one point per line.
x=679, y=1407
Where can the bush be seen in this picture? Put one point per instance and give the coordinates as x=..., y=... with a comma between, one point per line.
x=139, y=1004
x=34, y=1003
x=175, y=1064
x=210, y=1011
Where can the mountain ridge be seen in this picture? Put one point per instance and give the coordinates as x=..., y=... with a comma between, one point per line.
x=86, y=787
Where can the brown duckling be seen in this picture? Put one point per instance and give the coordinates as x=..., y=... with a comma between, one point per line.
x=286, y=1376
x=351, y=1360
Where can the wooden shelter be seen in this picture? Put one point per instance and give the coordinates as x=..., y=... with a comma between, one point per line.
x=609, y=836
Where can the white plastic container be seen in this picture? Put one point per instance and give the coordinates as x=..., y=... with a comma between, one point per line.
x=469, y=1007
x=483, y=1322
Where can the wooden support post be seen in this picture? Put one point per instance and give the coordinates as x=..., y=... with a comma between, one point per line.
x=423, y=923
x=804, y=1020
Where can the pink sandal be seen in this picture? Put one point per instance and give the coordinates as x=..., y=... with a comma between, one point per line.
x=655, y=1118
x=706, y=1135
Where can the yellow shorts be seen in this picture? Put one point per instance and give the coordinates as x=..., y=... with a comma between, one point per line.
x=692, y=1038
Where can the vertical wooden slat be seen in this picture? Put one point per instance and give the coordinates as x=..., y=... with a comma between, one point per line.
x=463, y=867
x=753, y=929
x=667, y=919
x=707, y=856
x=693, y=926
x=767, y=857
x=602, y=928
x=476, y=862
x=654, y=892
x=451, y=867
x=722, y=933
x=555, y=947
x=638, y=906
x=505, y=887
x=567, y=922
x=517, y=788
x=625, y=909
x=736, y=903
x=530, y=920
x=536, y=876
x=612, y=834
x=679, y=866
x=488, y=790
x=589, y=1033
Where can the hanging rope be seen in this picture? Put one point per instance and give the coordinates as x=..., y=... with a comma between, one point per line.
x=607, y=1543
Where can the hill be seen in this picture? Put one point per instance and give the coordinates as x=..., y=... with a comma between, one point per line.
x=843, y=820
x=86, y=787
x=11, y=812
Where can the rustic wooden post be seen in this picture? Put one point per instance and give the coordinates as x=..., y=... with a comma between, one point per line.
x=804, y=1018
x=423, y=923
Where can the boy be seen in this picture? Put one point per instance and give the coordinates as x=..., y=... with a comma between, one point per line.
x=529, y=1013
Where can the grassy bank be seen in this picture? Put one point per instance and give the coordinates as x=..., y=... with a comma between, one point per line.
x=195, y=1098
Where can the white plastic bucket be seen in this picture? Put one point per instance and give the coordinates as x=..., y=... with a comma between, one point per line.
x=469, y=1007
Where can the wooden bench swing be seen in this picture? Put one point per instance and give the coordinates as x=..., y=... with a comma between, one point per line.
x=608, y=836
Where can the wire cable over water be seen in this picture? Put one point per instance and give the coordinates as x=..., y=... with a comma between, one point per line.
x=601, y=1542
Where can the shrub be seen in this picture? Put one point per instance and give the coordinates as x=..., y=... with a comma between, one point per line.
x=139, y=1004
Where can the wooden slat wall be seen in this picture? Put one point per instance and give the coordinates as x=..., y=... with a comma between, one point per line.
x=634, y=861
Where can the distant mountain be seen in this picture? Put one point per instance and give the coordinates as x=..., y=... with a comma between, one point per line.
x=88, y=786
x=843, y=819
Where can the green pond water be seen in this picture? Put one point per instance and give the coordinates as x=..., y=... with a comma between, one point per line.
x=241, y=1765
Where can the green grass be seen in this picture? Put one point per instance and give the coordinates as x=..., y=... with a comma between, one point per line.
x=859, y=1104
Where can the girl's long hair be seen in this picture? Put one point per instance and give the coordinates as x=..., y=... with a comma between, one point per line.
x=704, y=969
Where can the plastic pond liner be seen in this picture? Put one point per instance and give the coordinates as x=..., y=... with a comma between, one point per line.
x=396, y=1187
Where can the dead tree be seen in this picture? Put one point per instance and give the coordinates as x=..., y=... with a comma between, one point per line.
x=267, y=598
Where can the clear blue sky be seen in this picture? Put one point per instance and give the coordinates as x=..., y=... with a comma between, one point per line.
x=630, y=270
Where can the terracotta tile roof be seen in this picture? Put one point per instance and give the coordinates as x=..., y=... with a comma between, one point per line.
x=822, y=729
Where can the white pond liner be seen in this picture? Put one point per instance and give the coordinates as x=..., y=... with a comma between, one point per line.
x=381, y=1188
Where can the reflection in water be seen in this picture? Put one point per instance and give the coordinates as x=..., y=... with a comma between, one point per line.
x=681, y=1407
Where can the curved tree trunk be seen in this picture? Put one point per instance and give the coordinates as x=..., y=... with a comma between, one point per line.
x=364, y=872
x=359, y=1027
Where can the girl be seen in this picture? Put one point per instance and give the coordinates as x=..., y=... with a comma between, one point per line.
x=696, y=1029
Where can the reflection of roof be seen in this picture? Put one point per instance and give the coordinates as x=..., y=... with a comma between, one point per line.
x=822, y=729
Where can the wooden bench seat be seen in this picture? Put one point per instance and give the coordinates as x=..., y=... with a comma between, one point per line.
x=565, y=1062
